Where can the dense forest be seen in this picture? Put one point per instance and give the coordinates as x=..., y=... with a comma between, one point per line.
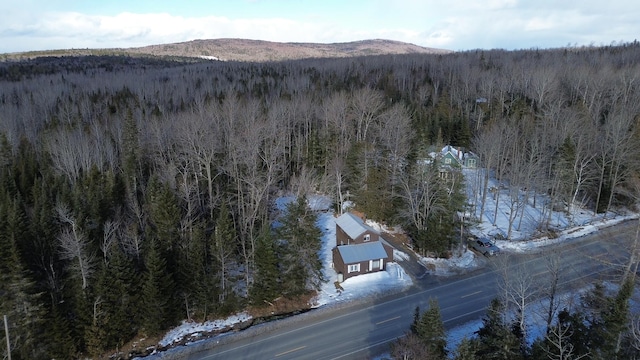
x=137, y=193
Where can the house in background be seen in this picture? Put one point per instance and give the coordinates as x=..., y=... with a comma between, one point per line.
x=360, y=248
x=452, y=156
x=450, y=160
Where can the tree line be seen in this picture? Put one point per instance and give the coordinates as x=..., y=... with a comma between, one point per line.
x=139, y=194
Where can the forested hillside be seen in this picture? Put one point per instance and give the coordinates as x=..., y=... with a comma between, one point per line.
x=136, y=193
x=242, y=50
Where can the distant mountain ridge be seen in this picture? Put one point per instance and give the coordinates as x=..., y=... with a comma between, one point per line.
x=249, y=50
x=259, y=50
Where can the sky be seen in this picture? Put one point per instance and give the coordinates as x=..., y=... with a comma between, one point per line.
x=453, y=24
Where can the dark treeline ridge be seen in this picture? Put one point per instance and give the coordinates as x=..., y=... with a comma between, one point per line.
x=13, y=70
x=136, y=193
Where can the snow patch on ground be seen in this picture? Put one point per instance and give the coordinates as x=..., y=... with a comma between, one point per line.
x=400, y=256
x=314, y=201
x=192, y=329
x=357, y=287
x=564, y=235
x=319, y=202
x=454, y=265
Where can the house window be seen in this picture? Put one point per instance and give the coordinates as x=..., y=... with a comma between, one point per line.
x=354, y=268
x=375, y=264
x=367, y=237
x=447, y=160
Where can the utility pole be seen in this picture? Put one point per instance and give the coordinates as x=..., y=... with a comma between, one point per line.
x=6, y=331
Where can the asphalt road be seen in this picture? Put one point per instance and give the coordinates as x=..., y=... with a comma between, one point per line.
x=364, y=329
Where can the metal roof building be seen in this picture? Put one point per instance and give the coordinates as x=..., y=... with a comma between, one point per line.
x=362, y=252
x=353, y=226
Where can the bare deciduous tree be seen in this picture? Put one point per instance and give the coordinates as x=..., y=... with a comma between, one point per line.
x=366, y=105
x=488, y=151
x=519, y=289
x=396, y=139
x=337, y=176
x=132, y=241
x=560, y=347
x=422, y=194
x=201, y=136
x=550, y=289
x=74, y=244
x=334, y=112
x=109, y=237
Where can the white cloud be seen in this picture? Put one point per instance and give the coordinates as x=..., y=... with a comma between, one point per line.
x=458, y=25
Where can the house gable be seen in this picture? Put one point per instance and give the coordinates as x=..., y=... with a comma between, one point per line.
x=470, y=160
x=350, y=229
x=452, y=156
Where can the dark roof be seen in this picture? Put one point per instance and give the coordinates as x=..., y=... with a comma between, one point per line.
x=352, y=254
x=353, y=226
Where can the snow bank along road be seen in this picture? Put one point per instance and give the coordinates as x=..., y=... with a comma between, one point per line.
x=364, y=329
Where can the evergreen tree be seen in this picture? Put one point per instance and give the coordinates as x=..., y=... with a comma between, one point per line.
x=437, y=237
x=374, y=198
x=164, y=216
x=157, y=292
x=223, y=243
x=131, y=153
x=265, y=283
x=466, y=349
x=117, y=292
x=164, y=224
x=185, y=258
x=496, y=341
x=314, y=152
x=96, y=334
x=205, y=287
x=430, y=330
x=6, y=157
x=461, y=135
x=615, y=321
x=301, y=267
x=564, y=167
x=25, y=169
x=416, y=320
x=58, y=337
x=42, y=223
x=75, y=307
x=20, y=301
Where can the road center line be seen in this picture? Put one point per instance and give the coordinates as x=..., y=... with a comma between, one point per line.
x=384, y=321
x=475, y=293
x=290, y=351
